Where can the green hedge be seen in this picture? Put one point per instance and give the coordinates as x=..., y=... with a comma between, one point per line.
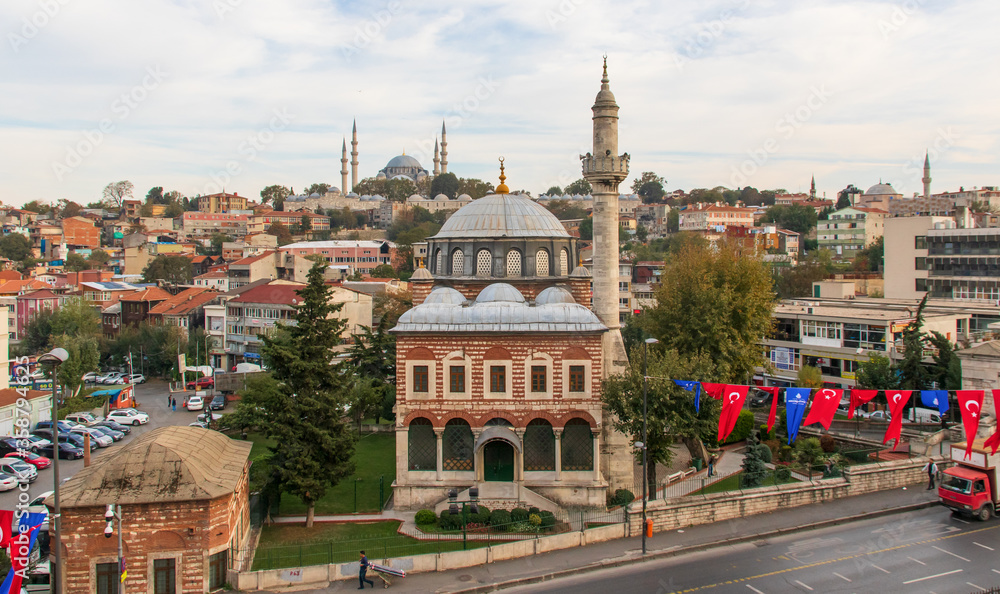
x=744, y=426
x=424, y=517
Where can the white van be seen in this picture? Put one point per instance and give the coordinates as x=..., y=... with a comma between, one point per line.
x=922, y=415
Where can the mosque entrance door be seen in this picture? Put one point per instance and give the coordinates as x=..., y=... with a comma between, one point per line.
x=498, y=461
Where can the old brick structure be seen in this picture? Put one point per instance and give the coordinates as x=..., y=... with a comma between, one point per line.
x=185, y=502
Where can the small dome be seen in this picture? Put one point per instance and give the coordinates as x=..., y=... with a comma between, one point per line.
x=554, y=295
x=352, y=195
x=881, y=189
x=333, y=190
x=415, y=198
x=381, y=175
x=580, y=272
x=464, y=198
x=403, y=161
x=366, y=197
x=441, y=197
x=422, y=274
x=314, y=195
x=444, y=295
x=500, y=292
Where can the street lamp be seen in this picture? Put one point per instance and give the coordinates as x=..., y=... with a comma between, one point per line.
x=454, y=510
x=55, y=357
x=645, y=438
x=113, y=513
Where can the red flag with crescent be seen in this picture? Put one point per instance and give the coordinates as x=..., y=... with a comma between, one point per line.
x=714, y=390
x=971, y=403
x=993, y=441
x=6, y=526
x=897, y=400
x=773, y=391
x=859, y=397
x=732, y=403
x=824, y=406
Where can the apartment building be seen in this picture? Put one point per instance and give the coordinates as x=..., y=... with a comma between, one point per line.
x=221, y=203
x=203, y=224
x=255, y=268
x=361, y=255
x=262, y=220
x=850, y=229
x=700, y=217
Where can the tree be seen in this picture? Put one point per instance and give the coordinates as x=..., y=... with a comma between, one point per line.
x=877, y=373
x=384, y=271
x=275, y=195
x=843, y=200
x=372, y=358
x=715, y=303
x=554, y=191
x=387, y=306
x=649, y=187
x=171, y=269
x=946, y=370
x=75, y=263
x=872, y=257
x=84, y=357
x=475, y=188
x=754, y=468
x=305, y=224
x=399, y=189
x=68, y=208
x=641, y=233
x=983, y=207
x=280, y=231
x=301, y=406
x=116, y=193
x=645, y=178
x=216, y=242
x=36, y=206
x=565, y=210
x=795, y=217
x=98, y=258
x=155, y=196
x=798, y=280
x=445, y=183
x=15, y=247
x=580, y=186
x=809, y=377
x=673, y=221
x=587, y=229
x=317, y=189
x=913, y=375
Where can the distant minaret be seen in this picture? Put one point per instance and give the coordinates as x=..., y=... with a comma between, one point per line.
x=354, y=156
x=437, y=158
x=927, y=175
x=343, y=170
x=812, y=189
x=444, y=149
x=605, y=169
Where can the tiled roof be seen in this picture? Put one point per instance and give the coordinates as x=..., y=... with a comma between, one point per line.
x=252, y=259
x=185, y=301
x=275, y=293
x=149, y=294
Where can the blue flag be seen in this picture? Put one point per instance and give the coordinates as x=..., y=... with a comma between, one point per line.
x=26, y=532
x=689, y=386
x=795, y=406
x=935, y=399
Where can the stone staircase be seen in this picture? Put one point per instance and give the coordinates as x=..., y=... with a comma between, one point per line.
x=500, y=495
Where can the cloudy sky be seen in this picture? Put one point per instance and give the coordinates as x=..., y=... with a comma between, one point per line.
x=194, y=95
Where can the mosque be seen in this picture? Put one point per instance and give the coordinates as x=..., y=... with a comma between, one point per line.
x=501, y=360
x=401, y=166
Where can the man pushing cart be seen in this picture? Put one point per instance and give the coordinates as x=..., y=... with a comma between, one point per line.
x=381, y=572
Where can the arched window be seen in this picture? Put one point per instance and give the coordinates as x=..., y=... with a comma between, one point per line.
x=437, y=262
x=484, y=263
x=457, y=445
x=513, y=263
x=421, y=445
x=542, y=262
x=563, y=262
x=498, y=422
x=539, y=446
x=577, y=446
x=457, y=263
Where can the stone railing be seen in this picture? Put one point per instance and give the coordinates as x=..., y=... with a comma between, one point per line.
x=605, y=163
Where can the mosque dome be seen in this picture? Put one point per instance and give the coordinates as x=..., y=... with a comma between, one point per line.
x=445, y=295
x=502, y=215
x=441, y=197
x=500, y=292
x=554, y=295
x=404, y=161
x=881, y=189
x=464, y=198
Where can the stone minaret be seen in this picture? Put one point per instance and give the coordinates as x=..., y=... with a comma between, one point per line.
x=354, y=156
x=605, y=169
x=437, y=158
x=812, y=189
x=444, y=149
x=343, y=171
x=927, y=175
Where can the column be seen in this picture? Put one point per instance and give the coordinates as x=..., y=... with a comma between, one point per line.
x=519, y=461
x=597, y=455
x=477, y=464
x=558, y=433
x=438, y=434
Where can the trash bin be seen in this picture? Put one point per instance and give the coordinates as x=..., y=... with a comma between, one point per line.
x=696, y=463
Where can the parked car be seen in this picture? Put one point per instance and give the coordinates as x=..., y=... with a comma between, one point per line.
x=201, y=383
x=195, y=403
x=8, y=445
x=39, y=462
x=201, y=424
x=135, y=378
x=65, y=437
x=128, y=416
x=64, y=425
x=114, y=435
x=218, y=403
x=24, y=473
x=34, y=443
x=7, y=482
x=109, y=378
x=95, y=435
x=759, y=397
x=879, y=415
x=90, y=378
x=67, y=451
x=84, y=418
x=123, y=429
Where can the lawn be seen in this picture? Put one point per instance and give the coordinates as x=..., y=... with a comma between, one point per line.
x=286, y=545
x=733, y=483
x=374, y=457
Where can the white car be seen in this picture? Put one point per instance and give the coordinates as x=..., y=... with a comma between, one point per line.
x=7, y=482
x=22, y=471
x=90, y=378
x=135, y=378
x=97, y=437
x=196, y=403
x=84, y=418
x=109, y=378
x=128, y=416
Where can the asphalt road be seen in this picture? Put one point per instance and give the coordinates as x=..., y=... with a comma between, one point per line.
x=152, y=399
x=921, y=551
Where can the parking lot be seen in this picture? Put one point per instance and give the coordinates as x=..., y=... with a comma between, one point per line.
x=152, y=399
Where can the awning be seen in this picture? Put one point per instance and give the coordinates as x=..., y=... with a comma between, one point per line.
x=502, y=433
x=112, y=392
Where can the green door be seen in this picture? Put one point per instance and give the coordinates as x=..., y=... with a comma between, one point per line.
x=498, y=461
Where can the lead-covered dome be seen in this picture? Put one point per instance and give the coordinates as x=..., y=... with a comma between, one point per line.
x=502, y=215
x=404, y=161
x=881, y=189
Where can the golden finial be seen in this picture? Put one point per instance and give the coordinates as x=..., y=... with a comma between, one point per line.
x=502, y=188
x=604, y=79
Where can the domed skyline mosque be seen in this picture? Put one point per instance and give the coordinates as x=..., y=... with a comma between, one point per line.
x=500, y=361
x=400, y=166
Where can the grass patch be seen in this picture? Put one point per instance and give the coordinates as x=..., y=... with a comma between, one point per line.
x=733, y=482
x=286, y=545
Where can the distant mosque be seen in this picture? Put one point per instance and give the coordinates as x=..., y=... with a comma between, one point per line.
x=399, y=167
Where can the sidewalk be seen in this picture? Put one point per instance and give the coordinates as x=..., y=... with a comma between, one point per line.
x=484, y=578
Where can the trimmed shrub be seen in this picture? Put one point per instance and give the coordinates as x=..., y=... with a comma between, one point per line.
x=828, y=443
x=500, y=517
x=622, y=497
x=744, y=427
x=548, y=519
x=765, y=453
x=775, y=446
x=783, y=473
x=766, y=435
x=535, y=520
x=425, y=517
x=483, y=517
x=448, y=521
x=519, y=514
x=533, y=510
x=786, y=453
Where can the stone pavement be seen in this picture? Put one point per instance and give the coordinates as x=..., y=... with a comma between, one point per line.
x=546, y=566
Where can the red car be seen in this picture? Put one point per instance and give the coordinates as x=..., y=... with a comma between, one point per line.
x=201, y=383
x=35, y=460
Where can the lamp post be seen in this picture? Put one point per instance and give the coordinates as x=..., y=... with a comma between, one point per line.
x=454, y=510
x=114, y=512
x=645, y=437
x=55, y=357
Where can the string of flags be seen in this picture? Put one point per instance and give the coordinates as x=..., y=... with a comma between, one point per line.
x=826, y=401
x=18, y=538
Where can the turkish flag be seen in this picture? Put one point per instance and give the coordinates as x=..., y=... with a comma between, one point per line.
x=6, y=527
x=773, y=391
x=732, y=403
x=897, y=400
x=994, y=440
x=714, y=390
x=971, y=403
x=824, y=406
x=859, y=397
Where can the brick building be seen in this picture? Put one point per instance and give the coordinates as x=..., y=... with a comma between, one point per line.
x=360, y=255
x=80, y=232
x=135, y=306
x=203, y=224
x=185, y=503
x=221, y=203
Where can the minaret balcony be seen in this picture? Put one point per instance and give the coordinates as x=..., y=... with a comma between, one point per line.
x=614, y=166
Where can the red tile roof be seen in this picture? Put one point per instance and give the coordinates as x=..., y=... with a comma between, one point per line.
x=280, y=294
x=252, y=259
x=149, y=294
x=185, y=301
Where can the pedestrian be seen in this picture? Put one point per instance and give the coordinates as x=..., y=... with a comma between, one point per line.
x=711, y=465
x=173, y=403
x=168, y=400
x=931, y=469
x=362, y=570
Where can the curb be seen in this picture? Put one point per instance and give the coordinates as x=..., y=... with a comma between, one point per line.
x=690, y=549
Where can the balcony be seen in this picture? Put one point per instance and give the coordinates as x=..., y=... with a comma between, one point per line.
x=609, y=166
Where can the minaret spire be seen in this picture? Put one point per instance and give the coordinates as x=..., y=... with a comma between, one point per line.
x=927, y=174
x=444, y=149
x=354, y=156
x=812, y=189
x=437, y=158
x=343, y=170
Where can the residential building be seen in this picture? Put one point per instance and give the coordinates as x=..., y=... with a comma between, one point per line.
x=136, y=306
x=184, y=310
x=111, y=319
x=157, y=224
x=202, y=264
x=361, y=255
x=251, y=245
x=850, y=229
x=215, y=329
x=104, y=293
x=701, y=217
x=221, y=203
x=80, y=232
x=261, y=221
x=29, y=305
x=248, y=270
x=217, y=280
x=8, y=304
x=46, y=237
x=202, y=224
x=131, y=209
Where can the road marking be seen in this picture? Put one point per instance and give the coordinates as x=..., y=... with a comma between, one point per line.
x=841, y=577
x=930, y=577
x=880, y=569
x=994, y=571
x=953, y=554
x=984, y=546
x=803, y=585
x=917, y=560
x=976, y=587
x=754, y=589
x=961, y=520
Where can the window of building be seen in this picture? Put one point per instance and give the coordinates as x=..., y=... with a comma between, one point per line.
x=864, y=336
x=164, y=581
x=484, y=263
x=819, y=329
x=577, y=446
x=456, y=376
x=457, y=445
x=107, y=578
x=513, y=263
x=577, y=378
x=457, y=263
x=437, y=262
x=419, y=378
x=563, y=262
x=217, y=565
x=421, y=445
x=542, y=263
x=498, y=378
x=539, y=446
x=920, y=242
x=537, y=378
